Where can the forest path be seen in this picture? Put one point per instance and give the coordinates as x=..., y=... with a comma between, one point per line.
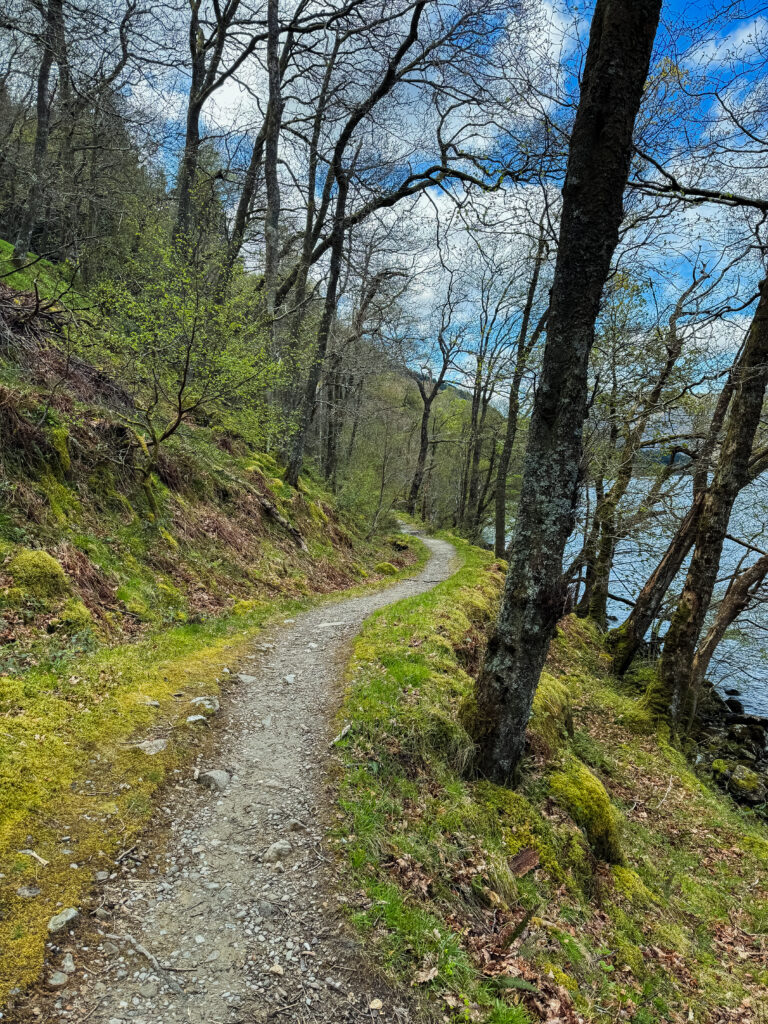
x=225, y=926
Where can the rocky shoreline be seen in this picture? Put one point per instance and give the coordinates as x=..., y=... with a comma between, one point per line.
x=734, y=746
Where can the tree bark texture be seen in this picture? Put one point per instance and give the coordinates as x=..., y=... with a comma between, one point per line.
x=618, y=57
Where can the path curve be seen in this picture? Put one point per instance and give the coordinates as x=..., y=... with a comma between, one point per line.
x=248, y=940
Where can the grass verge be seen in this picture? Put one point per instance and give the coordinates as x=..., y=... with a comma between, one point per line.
x=496, y=905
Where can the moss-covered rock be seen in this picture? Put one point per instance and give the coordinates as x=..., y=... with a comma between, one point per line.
x=38, y=574
x=386, y=569
x=74, y=617
x=585, y=798
x=746, y=785
x=720, y=769
x=12, y=597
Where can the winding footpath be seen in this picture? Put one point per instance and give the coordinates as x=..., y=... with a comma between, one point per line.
x=231, y=913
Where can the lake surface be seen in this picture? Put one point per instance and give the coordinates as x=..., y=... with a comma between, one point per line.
x=741, y=660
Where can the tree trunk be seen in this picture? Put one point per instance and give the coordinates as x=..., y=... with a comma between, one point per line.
x=523, y=351
x=323, y=333
x=273, y=123
x=421, y=461
x=731, y=474
x=737, y=598
x=505, y=457
x=40, y=148
x=626, y=640
x=616, y=67
x=589, y=553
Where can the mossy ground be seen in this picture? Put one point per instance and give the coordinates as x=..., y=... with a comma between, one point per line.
x=475, y=894
x=51, y=280
x=74, y=786
x=116, y=611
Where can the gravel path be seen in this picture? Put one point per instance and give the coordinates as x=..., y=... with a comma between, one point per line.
x=230, y=914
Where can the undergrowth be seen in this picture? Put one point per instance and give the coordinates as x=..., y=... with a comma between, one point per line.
x=497, y=905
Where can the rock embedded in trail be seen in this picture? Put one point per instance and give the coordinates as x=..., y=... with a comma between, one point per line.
x=57, y=980
x=68, y=964
x=277, y=851
x=215, y=778
x=248, y=680
x=61, y=921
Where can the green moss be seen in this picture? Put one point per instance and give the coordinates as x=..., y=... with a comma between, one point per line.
x=11, y=597
x=630, y=954
x=386, y=569
x=59, y=438
x=38, y=574
x=631, y=886
x=243, y=607
x=62, y=501
x=551, y=716
x=561, y=978
x=584, y=797
x=720, y=767
x=74, y=617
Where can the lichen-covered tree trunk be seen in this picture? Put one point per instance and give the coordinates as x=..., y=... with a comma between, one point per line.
x=616, y=67
x=731, y=474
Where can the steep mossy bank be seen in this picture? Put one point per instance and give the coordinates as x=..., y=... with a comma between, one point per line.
x=615, y=884
x=122, y=600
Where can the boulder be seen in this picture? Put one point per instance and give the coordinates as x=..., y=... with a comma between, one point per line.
x=746, y=785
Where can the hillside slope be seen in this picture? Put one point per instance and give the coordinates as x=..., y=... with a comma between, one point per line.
x=615, y=884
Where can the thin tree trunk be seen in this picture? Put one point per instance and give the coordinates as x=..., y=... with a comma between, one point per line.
x=626, y=640
x=273, y=123
x=323, y=334
x=523, y=351
x=505, y=457
x=737, y=598
x=731, y=474
x=618, y=57
x=590, y=553
x=421, y=461
x=40, y=148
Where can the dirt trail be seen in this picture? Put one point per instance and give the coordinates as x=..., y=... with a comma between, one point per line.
x=223, y=926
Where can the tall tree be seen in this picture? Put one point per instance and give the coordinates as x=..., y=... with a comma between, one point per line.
x=615, y=71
